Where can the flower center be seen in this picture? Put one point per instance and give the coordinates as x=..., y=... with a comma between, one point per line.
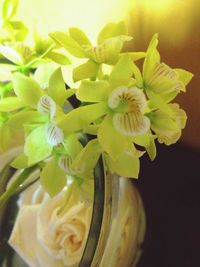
x=129, y=105
x=125, y=100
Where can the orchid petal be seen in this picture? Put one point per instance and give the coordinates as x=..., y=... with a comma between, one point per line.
x=53, y=178
x=87, y=70
x=59, y=58
x=43, y=73
x=87, y=159
x=184, y=76
x=18, y=120
x=135, y=55
x=112, y=30
x=9, y=8
x=164, y=80
x=112, y=141
x=152, y=59
x=79, y=36
x=72, y=146
x=27, y=89
x=125, y=165
x=57, y=88
x=90, y=91
x=81, y=117
x=147, y=141
x=11, y=103
x=107, y=53
x=68, y=43
x=122, y=72
x=11, y=54
x=37, y=147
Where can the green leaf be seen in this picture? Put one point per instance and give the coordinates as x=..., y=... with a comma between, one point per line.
x=18, y=120
x=152, y=59
x=9, y=9
x=52, y=178
x=27, y=90
x=110, y=139
x=112, y=30
x=184, y=76
x=59, y=58
x=85, y=71
x=36, y=146
x=10, y=104
x=11, y=54
x=125, y=165
x=90, y=91
x=20, y=162
x=79, y=36
x=147, y=141
x=122, y=72
x=88, y=157
x=68, y=43
x=81, y=117
x=57, y=88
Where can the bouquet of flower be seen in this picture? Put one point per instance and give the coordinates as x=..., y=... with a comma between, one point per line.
x=122, y=108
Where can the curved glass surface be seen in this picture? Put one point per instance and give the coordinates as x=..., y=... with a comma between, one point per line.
x=117, y=225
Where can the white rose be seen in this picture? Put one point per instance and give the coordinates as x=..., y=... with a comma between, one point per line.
x=44, y=239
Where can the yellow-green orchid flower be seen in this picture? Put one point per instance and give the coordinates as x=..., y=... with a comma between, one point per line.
x=11, y=30
x=107, y=51
x=160, y=79
x=38, y=113
x=168, y=129
x=117, y=109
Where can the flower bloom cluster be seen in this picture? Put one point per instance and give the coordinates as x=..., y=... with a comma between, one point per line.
x=121, y=106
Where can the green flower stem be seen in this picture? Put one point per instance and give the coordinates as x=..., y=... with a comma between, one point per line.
x=15, y=185
x=67, y=197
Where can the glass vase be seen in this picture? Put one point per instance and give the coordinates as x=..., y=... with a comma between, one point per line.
x=117, y=226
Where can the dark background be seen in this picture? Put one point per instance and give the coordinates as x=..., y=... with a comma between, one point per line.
x=170, y=186
x=170, y=189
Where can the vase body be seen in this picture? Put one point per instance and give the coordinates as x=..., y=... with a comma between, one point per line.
x=116, y=229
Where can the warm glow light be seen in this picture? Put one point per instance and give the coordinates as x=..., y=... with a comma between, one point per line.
x=90, y=15
x=156, y=4
x=172, y=19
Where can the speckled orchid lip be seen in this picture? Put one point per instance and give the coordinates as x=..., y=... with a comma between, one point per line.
x=46, y=105
x=129, y=105
x=158, y=82
x=64, y=163
x=54, y=134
